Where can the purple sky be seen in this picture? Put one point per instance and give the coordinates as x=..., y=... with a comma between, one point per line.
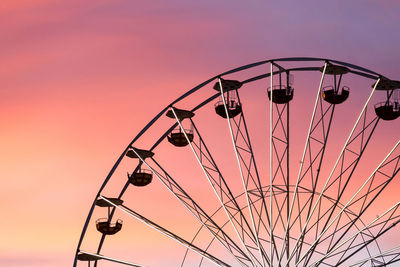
x=76, y=77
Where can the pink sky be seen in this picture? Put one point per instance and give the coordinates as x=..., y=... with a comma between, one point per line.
x=80, y=79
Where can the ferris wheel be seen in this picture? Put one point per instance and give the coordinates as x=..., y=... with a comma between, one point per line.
x=282, y=162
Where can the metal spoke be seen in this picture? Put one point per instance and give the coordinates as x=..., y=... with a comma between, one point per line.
x=220, y=188
x=370, y=225
x=302, y=162
x=348, y=203
x=385, y=253
x=112, y=259
x=241, y=172
x=336, y=164
x=366, y=243
x=279, y=150
x=350, y=166
x=271, y=227
x=317, y=159
x=167, y=233
x=372, y=197
x=198, y=212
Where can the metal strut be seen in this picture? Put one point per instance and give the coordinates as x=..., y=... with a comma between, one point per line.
x=302, y=162
x=168, y=233
x=238, y=156
x=348, y=168
x=220, y=188
x=325, y=229
x=198, y=213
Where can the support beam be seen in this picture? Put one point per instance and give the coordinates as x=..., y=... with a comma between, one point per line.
x=383, y=254
x=241, y=174
x=370, y=225
x=199, y=213
x=271, y=185
x=168, y=233
x=112, y=259
x=221, y=190
x=301, y=164
x=348, y=203
x=335, y=165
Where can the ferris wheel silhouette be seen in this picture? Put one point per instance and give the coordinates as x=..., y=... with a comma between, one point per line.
x=273, y=201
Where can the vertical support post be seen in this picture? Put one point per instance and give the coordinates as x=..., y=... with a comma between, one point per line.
x=270, y=164
x=302, y=160
x=287, y=174
x=241, y=172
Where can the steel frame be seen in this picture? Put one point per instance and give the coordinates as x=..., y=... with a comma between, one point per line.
x=249, y=232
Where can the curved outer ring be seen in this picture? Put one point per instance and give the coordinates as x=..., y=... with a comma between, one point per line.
x=357, y=70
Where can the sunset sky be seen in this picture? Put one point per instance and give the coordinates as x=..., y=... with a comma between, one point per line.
x=79, y=79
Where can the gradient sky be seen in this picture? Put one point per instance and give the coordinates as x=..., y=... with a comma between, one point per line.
x=79, y=79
